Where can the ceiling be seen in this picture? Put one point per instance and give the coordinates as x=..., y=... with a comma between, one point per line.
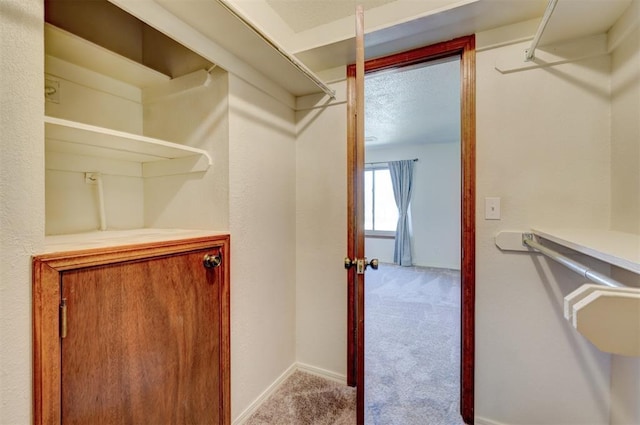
x=417, y=104
x=321, y=32
x=303, y=15
x=421, y=104
x=321, y=35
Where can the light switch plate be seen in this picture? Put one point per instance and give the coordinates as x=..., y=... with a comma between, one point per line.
x=492, y=208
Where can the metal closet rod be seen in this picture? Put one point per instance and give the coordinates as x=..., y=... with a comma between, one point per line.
x=529, y=54
x=385, y=162
x=599, y=278
x=292, y=60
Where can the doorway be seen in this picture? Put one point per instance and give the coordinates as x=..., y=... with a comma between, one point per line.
x=412, y=328
x=464, y=49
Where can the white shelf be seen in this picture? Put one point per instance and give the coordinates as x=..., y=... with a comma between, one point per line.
x=111, y=238
x=616, y=248
x=158, y=157
x=78, y=51
x=217, y=31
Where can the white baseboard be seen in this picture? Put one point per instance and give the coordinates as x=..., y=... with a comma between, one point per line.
x=484, y=421
x=265, y=395
x=342, y=379
x=333, y=376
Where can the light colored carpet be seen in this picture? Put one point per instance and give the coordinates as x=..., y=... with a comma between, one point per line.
x=305, y=399
x=412, y=359
x=412, y=345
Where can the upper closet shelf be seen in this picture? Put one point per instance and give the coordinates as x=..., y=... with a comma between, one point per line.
x=78, y=51
x=617, y=248
x=157, y=157
x=216, y=30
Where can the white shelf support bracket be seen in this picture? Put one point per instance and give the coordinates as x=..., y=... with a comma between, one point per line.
x=96, y=179
x=608, y=317
x=607, y=313
x=530, y=53
x=552, y=54
x=513, y=241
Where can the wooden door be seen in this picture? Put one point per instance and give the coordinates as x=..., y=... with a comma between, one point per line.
x=464, y=47
x=359, y=215
x=142, y=343
x=146, y=338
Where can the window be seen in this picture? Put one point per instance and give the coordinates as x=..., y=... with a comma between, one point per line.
x=380, y=211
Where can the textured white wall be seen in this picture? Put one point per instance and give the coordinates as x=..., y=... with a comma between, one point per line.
x=543, y=147
x=625, y=132
x=197, y=117
x=625, y=390
x=92, y=98
x=435, y=204
x=262, y=190
x=21, y=196
x=321, y=238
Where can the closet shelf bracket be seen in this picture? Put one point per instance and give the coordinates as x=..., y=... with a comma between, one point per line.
x=606, y=313
x=530, y=53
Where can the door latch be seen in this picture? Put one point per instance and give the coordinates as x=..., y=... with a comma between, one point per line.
x=361, y=264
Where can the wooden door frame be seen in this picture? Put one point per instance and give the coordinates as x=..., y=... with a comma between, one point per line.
x=464, y=47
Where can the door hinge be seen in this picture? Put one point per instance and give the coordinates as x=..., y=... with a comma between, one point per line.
x=63, y=318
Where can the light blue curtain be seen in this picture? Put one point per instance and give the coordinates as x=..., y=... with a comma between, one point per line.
x=402, y=181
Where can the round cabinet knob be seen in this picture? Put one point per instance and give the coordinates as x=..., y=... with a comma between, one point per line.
x=212, y=261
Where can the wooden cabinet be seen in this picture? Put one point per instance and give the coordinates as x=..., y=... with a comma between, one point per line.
x=134, y=334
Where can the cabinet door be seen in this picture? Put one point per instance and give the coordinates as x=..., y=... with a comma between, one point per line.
x=143, y=342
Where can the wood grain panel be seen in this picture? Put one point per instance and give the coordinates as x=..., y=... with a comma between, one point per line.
x=468, y=272
x=359, y=213
x=142, y=344
x=352, y=229
x=148, y=335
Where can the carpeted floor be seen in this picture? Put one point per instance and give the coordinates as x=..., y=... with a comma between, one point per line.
x=412, y=359
x=305, y=399
x=412, y=345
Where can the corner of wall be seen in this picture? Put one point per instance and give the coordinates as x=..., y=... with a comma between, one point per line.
x=197, y=116
x=262, y=225
x=22, y=194
x=321, y=304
